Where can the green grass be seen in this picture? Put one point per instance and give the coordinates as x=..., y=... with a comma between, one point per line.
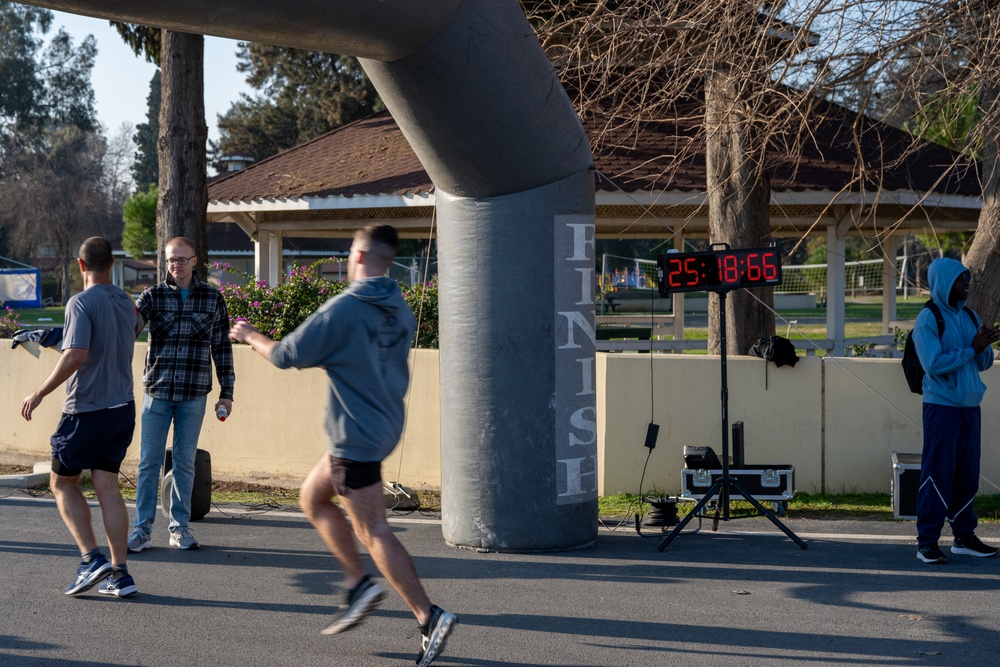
x=869, y=506
x=863, y=309
x=52, y=316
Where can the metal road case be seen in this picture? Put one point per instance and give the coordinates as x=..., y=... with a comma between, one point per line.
x=905, y=484
x=775, y=483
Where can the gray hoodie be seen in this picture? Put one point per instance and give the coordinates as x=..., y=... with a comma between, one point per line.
x=362, y=338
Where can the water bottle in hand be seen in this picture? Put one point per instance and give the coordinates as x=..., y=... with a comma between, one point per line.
x=221, y=413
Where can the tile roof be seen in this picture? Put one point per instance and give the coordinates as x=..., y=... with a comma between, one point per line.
x=371, y=157
x=367, y=157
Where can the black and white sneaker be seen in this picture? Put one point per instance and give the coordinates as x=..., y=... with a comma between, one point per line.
x=972, y=546
x=930, y=553
x=361, y=601
x=434, y=634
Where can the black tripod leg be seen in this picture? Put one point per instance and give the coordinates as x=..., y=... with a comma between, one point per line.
x=723, y=503
x=770, y=515
x=690, y=515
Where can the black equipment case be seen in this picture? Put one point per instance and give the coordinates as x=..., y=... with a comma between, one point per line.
x=763, y=482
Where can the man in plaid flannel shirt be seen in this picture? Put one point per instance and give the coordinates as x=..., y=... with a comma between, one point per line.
x=188, y=329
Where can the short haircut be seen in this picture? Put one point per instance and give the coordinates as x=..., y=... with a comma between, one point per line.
x=95, y=253
x=182, y=240
x=382, y=241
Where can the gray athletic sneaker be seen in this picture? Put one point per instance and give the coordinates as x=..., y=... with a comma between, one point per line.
x=361, y=601
x=139, y=540
x=183, y=539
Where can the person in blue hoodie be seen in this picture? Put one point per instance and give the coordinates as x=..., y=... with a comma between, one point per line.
x=362, y=339
x=953, y=389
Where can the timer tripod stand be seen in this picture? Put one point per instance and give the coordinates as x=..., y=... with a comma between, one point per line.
x=697, y=271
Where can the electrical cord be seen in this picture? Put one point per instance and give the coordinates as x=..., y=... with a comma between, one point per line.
x=628, y=511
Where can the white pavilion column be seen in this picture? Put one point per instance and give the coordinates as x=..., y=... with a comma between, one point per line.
x=276, y=262
x=889, y=278
x=835, y=285
x=118, y=273
x=267, y=250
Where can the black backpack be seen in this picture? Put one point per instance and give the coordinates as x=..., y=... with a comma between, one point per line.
x=912, y=369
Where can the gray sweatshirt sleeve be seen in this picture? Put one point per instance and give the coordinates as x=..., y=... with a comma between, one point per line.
x=313, y=342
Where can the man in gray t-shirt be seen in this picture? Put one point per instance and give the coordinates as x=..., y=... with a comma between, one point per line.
x=98, y=417
x=94, y=322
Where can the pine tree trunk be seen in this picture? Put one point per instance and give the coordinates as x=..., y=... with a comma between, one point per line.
x=183, y=197
x=984, y=254
x=738, y=197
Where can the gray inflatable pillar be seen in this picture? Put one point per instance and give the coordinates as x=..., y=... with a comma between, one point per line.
x=518, y=423
x=494, y=128
x=477, y=99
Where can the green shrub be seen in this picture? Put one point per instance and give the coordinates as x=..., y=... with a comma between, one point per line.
x=423, y=300
x=8, y=322
x=277, y=310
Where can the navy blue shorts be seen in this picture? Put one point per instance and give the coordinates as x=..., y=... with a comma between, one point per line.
x=346, y=474
x=94, y=440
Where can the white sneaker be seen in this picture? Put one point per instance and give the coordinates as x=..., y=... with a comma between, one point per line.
x=183, y=539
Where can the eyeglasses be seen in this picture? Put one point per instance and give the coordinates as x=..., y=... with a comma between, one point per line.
x=179, y=260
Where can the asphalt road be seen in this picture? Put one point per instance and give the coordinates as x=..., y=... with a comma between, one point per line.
x=263, y=586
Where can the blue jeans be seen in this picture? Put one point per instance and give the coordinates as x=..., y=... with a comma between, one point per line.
x=157, y=415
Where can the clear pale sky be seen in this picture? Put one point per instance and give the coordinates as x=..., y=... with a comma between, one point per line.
x=121, y=80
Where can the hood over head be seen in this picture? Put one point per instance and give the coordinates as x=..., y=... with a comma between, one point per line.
x=942, y=275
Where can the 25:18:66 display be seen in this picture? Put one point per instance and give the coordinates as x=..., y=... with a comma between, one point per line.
x=698, y=271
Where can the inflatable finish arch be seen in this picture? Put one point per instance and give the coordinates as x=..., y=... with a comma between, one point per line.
x=473, y=92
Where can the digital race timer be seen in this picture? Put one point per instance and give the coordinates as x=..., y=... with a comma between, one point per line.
x=718, y=270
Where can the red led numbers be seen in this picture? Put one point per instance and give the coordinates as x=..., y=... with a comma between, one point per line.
x=718, y=269
x=683, y=273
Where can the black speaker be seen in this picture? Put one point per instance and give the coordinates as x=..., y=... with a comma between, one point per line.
x=201, y=492
x=701, y=458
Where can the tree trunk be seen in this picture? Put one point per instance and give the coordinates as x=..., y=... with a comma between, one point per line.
x=738, y=197
x=67, y=282
x=984, y=254
x=183, y=197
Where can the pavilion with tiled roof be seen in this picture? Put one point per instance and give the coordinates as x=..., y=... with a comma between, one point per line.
x=366, y=171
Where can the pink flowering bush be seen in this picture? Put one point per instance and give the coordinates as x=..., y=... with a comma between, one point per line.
x=8, y=322
x=276, y=311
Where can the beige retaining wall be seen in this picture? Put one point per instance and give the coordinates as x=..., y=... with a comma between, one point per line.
x=836, y=420
x=274, y=435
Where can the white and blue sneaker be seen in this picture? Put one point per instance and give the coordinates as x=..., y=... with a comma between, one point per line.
x=119, y=584
x=89, y=574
